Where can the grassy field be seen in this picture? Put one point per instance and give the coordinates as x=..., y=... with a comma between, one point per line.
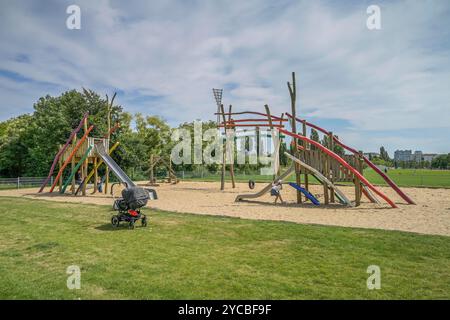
x=203, y=257
x=402, y=177
x=413, y=177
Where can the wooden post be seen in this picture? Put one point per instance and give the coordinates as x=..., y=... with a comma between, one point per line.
x=330, y=167
x=276, y=146
x=231, y=150
x=152, y=177
x=357, y=183
x=169, y=171
x=84, y=171
x=292, y=87
x=305, y=152
x=74, y=141
x=108, y=120
x=60, y=163
x=222, y=176
x=361, y=170
x=95, y=175
x=326, y=174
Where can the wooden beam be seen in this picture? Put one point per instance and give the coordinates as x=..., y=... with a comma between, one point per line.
x=95, y=175
x=231, y=150
x=222, y=176
x=84, y=170
x=305, y=150
x=231, y=124
x=332, y=173
x=74, y=141
x=292, y=87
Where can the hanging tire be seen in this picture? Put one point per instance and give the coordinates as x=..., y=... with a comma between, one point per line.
x=251, y=184
x=115, y=221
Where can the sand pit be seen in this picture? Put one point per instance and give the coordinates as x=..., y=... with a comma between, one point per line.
x=431, y=215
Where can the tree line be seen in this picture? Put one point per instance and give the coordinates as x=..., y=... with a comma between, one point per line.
x=28, y=143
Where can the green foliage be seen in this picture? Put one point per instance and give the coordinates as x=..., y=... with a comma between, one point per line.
x=441, y=162
x=384, y=155
x=29, y=143
x=14, y=153
x=315, y=137
x=381, y=162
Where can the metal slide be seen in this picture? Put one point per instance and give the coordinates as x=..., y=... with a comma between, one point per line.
x=118, y=172
x=366, y=191
x=267, y=188
x=319, y=176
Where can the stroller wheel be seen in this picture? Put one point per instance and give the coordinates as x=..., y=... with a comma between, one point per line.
x=115, y=221
x=131, y=225
x=144, y=221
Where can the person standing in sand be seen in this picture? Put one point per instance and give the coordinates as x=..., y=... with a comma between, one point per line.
x=277, y=185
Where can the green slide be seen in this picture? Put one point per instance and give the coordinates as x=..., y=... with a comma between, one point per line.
x=69, y=179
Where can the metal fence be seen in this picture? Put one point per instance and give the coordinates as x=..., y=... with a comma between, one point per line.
x=23, y=182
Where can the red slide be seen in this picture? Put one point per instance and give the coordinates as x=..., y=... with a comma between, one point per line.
x=366, y=160
x=62, y=150
x=343, y=163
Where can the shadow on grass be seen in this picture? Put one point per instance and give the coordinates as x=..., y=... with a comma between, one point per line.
x=66, y=195
x=109, y=227
x=121, y=227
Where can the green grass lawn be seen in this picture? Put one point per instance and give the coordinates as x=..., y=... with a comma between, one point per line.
x=182, y=256
x=413, y=177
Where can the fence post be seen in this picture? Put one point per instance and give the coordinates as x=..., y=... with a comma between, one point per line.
x=18, y=182
x=51, y=180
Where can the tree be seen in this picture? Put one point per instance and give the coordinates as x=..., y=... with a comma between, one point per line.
x=441, y=162
x=315, y=137
x=384, y=154
x=13, y=148
x=339, y=150
x=37, y=137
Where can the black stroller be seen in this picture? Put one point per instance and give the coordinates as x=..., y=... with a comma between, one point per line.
x=129, y=206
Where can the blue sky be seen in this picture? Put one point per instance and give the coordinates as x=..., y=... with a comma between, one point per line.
x=386, y=87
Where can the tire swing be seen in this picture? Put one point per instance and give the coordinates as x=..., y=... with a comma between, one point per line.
x=251, y=184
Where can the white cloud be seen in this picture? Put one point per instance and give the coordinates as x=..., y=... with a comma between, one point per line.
x=391, y=79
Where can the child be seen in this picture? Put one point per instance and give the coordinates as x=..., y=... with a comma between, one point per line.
x=275, y=191
x=100, y=185
x=78, y=177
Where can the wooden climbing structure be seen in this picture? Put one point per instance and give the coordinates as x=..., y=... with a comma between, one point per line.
x=77, y=154
x=166, y=162
x=311, y=158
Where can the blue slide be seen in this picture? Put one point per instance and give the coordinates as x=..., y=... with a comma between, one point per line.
x=305, y=192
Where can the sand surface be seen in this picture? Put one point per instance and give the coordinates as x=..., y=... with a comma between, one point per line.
x=431, y=215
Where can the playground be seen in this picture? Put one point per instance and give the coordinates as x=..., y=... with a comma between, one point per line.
x=327, y=185
x=225, y=238
x=431, y=215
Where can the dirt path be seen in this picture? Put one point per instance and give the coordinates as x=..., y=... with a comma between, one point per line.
x=431, y=215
